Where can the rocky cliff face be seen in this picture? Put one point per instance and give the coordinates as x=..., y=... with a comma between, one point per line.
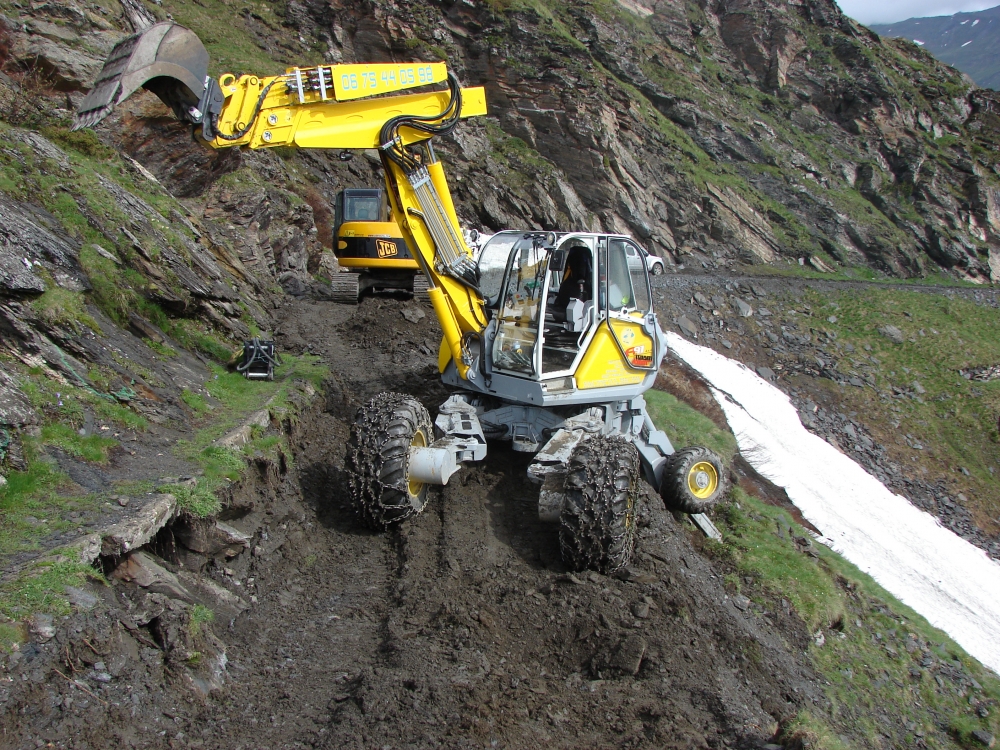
x=717, y=132
x=714, y=131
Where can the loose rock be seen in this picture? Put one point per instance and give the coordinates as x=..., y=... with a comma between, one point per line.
x=688, y=327
x=892, y=333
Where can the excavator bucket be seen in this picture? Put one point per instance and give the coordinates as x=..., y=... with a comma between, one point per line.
x=167, y=59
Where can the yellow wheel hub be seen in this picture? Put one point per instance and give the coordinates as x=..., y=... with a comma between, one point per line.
x=703, y=480
x=419, y=441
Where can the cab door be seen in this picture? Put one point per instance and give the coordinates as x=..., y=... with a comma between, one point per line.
x=624, y=349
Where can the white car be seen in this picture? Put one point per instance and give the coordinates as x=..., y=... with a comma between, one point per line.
x=638, y=256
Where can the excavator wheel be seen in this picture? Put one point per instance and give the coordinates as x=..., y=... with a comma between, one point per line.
x=694, y=480
x=420, y=286
x=597, y=523
x=378, y=457
x=345, y=287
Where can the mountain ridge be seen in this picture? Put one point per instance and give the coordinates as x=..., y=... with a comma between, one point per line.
x=967, y=41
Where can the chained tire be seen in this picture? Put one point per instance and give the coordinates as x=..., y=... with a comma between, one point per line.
x=378, y=457
x=597, y=522
x=694, y=480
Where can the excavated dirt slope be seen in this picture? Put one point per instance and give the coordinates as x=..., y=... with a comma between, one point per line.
x=459, y=629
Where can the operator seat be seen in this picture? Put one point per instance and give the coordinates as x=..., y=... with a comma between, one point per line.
x=578, y=280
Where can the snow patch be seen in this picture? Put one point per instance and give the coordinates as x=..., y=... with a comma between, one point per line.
x=974, y=23
x=952, y=583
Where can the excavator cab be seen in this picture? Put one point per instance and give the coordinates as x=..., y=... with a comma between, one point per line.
x=568, y=308
x=366, y=236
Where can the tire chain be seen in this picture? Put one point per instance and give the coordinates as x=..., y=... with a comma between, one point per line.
x=377, y=458
x=597, y=524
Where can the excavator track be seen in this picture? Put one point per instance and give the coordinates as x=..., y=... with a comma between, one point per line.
x=420, y=285
x=345, y=288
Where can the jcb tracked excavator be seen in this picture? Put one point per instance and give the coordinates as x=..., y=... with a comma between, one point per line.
x=370, y=247
x=550, y=339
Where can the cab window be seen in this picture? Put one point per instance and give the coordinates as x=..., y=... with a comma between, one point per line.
x=362, y=208
x=520, y=303
x=493, y=262
x=627, y=281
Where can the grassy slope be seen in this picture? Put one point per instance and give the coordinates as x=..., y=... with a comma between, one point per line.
x=872, y=658
x=35, y=503
x=954, y=419
x=874, y=649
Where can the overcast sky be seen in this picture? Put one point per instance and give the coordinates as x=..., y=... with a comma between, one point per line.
x=890, y=11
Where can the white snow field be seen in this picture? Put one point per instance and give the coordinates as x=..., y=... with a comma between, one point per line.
x=952, y=583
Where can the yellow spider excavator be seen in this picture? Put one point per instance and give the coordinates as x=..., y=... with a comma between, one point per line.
x=550, y=339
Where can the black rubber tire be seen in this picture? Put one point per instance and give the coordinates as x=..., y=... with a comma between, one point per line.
x=378, y=456
x=657, y=269
x=597, y=523
x=675, y=487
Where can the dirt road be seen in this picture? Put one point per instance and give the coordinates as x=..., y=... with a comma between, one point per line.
x=461, y=628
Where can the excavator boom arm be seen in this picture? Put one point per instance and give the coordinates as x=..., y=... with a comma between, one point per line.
x=354, y=106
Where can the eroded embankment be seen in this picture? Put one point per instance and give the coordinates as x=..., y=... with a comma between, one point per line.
x=460, y=627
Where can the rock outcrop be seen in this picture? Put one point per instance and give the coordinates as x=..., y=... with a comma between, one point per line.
x=843, y=146
x=715, y=132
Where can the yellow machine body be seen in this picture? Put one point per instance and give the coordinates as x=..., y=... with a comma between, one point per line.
x=605, y=364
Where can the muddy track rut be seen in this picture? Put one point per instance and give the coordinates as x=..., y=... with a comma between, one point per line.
x=459, y=628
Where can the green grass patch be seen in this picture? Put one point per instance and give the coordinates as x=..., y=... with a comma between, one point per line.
x=237, y=398
x=30, y=506
x=200, y=615
x=120, y=415
x=60, y=307
x=871, y=662
x=39, y=502
x=84, y=142
x=222, y=463
x=759, y=542
x=42, y=589
x=90, y=448
x=195, y=401
x=191, y=335
x=686, y=426
x=164, y=350
x=200, y=500
x=231, y=45
x=10, y=636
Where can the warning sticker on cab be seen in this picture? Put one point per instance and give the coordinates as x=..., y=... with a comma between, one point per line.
x=639, y=356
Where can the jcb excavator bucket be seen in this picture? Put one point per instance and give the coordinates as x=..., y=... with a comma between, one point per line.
x=167, y=59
